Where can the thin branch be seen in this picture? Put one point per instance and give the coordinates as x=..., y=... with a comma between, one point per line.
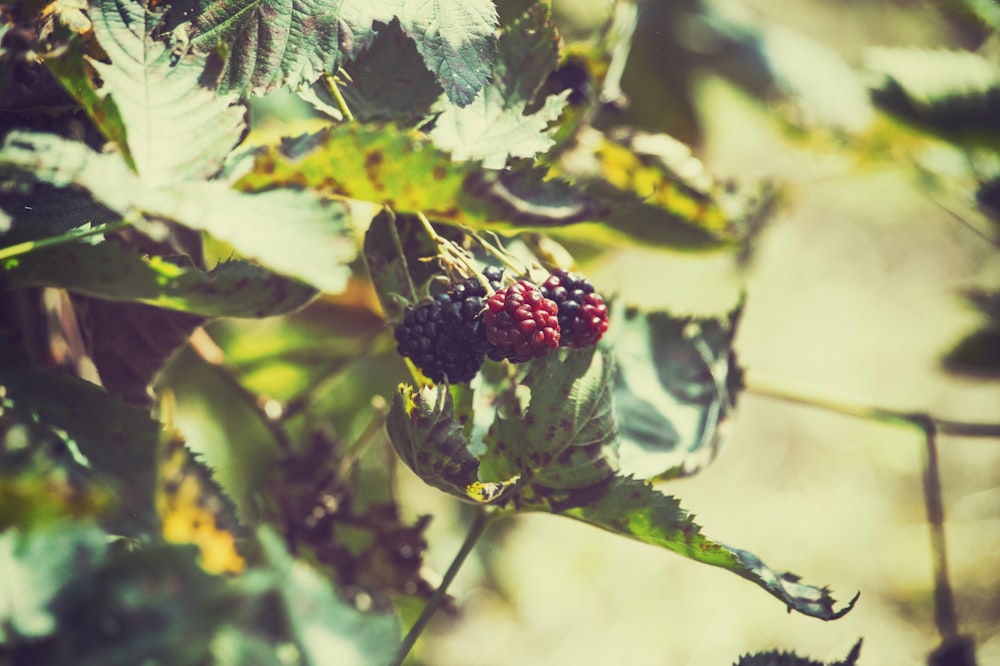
x=945, y=616
x=68, y=237
x=476, y=530
x=875, y=413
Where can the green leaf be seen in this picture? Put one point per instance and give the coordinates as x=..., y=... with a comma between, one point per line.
x=71, y=68
x=675, y=390
x=954, y=94
x=655, y=191
x=567, y=436
x=326, y=630
x=388, y=82
x=34, y=566
x=171, y=607
x=276, y=42
x=395, y=270
x=633, y=508
x=118, y=440
x=292, y=232
x=456, y=40
x=423, y=430
x=111, y=271
x=177, y=130
x=289, y=42
x=494, y=127
x=978, y=353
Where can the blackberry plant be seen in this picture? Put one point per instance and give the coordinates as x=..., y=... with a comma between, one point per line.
x=217, y=241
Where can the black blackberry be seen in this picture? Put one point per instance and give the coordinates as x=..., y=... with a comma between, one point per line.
x=583, y=315
x=444, y=337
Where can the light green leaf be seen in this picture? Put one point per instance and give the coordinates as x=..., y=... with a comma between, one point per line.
x=423, y=430
x=34, y=566
x=567, y=436
x=326, y=630
x=177, y=130
x=110, y=271
x=293, y=232
x=675, y=390
x=633, y=508
x=494, y=127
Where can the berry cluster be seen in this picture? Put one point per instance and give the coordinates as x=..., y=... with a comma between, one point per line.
x=450, y=336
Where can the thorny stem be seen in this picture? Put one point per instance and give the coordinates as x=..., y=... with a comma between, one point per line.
x=68, y=237
x=331, y=84
x=945, y=615
x=476, y=530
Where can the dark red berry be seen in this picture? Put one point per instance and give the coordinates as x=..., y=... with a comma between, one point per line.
x=583, y=315
x=521, y=323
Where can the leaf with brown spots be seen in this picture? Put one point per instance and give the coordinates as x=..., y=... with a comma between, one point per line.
x=425, y=433
x=567, y=437
x=633, y=508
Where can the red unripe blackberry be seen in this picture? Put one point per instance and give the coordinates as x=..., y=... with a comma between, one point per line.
x=521, y=323
x=583, y=315
x=445, y=337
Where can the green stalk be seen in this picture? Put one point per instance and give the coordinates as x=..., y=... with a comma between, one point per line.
x=68, y=237
x=476, y=530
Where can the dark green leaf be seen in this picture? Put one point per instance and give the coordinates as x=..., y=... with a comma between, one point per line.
x=978, y=353
x=118, y=440
x=456, y=40
x=778, y=658
x=292, y=232
x=34, y=566
x=675, y=390
x=388, y=82
x=955, y=94
x=110, y=271
x=633, y=508
x=400, y=273
x=277, y=42
x=284, y=42
x=326, y=630
x=566, y=438
x=423, y=429
x=154, y=605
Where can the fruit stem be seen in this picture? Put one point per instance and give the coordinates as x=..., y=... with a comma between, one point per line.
x=505, y=257
x=452, y=254
x=331, y=83
x=476, y=530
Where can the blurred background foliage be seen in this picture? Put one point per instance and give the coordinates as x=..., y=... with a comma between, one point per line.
x=874, y=279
